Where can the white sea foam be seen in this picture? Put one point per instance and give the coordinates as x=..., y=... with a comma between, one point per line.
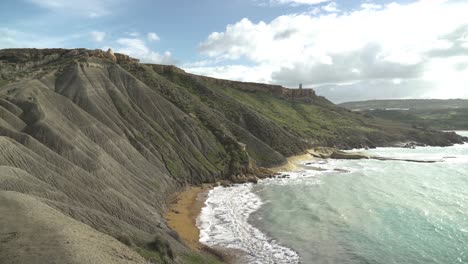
x=454, y=154
x=303, y=178
x=223, y=222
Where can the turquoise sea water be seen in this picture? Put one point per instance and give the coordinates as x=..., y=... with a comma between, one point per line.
x=376, y=212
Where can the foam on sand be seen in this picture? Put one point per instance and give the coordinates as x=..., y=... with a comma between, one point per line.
x=224, y=223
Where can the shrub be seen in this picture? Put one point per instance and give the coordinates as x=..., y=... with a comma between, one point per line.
x=161, y=245
x=174, y=235
x=126, y=240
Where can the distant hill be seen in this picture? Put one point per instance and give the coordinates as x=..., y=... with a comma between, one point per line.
x=406, y=104
x=431, y=113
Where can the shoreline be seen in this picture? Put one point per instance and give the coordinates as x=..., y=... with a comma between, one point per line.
x=186, y=206
x=293, y=161
x=183, y=212
x=181, y=216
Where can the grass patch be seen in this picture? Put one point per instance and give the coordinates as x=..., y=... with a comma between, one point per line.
x=199, y=259
x=128, y=241
x=152, y=256
x=3, y=82
x=160, y=245
x=441, y=119
x=157, y=250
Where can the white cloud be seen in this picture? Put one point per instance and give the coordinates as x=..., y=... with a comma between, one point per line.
x=244, y=73
x=7, y=37
x=394, y=41
x=98, y=36
x=331, y=7
x=153, y=36
x=137, y=48
x=89, y=8
x=133, y=34
x=370, y=6
x=297, y=2
x=11, y=38
x=450, y=80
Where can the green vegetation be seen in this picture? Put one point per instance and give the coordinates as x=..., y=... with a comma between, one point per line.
x=428, y=104
x=157, y=250
x=257, y=116
x=126, y=240
x=152, y=256
x=198, y=259
x=437, y=114
x=441, y=119
x=161, y=246
x=307, y=119
x=160, y=251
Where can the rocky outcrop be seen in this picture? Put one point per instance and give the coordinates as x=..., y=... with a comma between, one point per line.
x=331, y=153
x=33, y=63
x=306, y=95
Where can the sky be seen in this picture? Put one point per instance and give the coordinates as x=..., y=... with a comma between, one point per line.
x=346, y=50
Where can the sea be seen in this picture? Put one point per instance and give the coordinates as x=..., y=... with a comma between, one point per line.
x=349, y=211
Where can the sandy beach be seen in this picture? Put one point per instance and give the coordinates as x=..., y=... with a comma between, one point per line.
x=186, y=206
x=293, y=162
x=182, y=217
x=183, y=212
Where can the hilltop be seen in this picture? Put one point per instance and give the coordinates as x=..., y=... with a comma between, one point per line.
x=93, y=144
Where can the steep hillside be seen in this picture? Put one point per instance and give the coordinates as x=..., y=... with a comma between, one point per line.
x=101, y=141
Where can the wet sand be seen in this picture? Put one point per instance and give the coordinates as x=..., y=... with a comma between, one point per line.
x=183, y=212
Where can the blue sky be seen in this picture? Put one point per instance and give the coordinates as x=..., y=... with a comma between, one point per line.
x=346, y=50
x=180, y=25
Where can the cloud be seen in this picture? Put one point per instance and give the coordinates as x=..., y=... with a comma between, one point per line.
x=12, y=38
x=260, y=73
x=370, y=6
x=371, y=43
x=362, y=64
x=287, y=33
x=331, y=7
x=153, y=36
x=134, y=47
x=98, y=36
x=376, y=89
x=133, y=34
x=7, y=37
x=89, y=8
x=452, y=44
x=137, y=48
x=296, y=2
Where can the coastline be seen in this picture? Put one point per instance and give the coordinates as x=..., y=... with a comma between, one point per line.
x=183, y=211
x=293, y=161
x=186, y=206
x=181, y=216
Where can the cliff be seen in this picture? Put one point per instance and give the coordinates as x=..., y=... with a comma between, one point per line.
x=306, y=95
x=99, y=142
